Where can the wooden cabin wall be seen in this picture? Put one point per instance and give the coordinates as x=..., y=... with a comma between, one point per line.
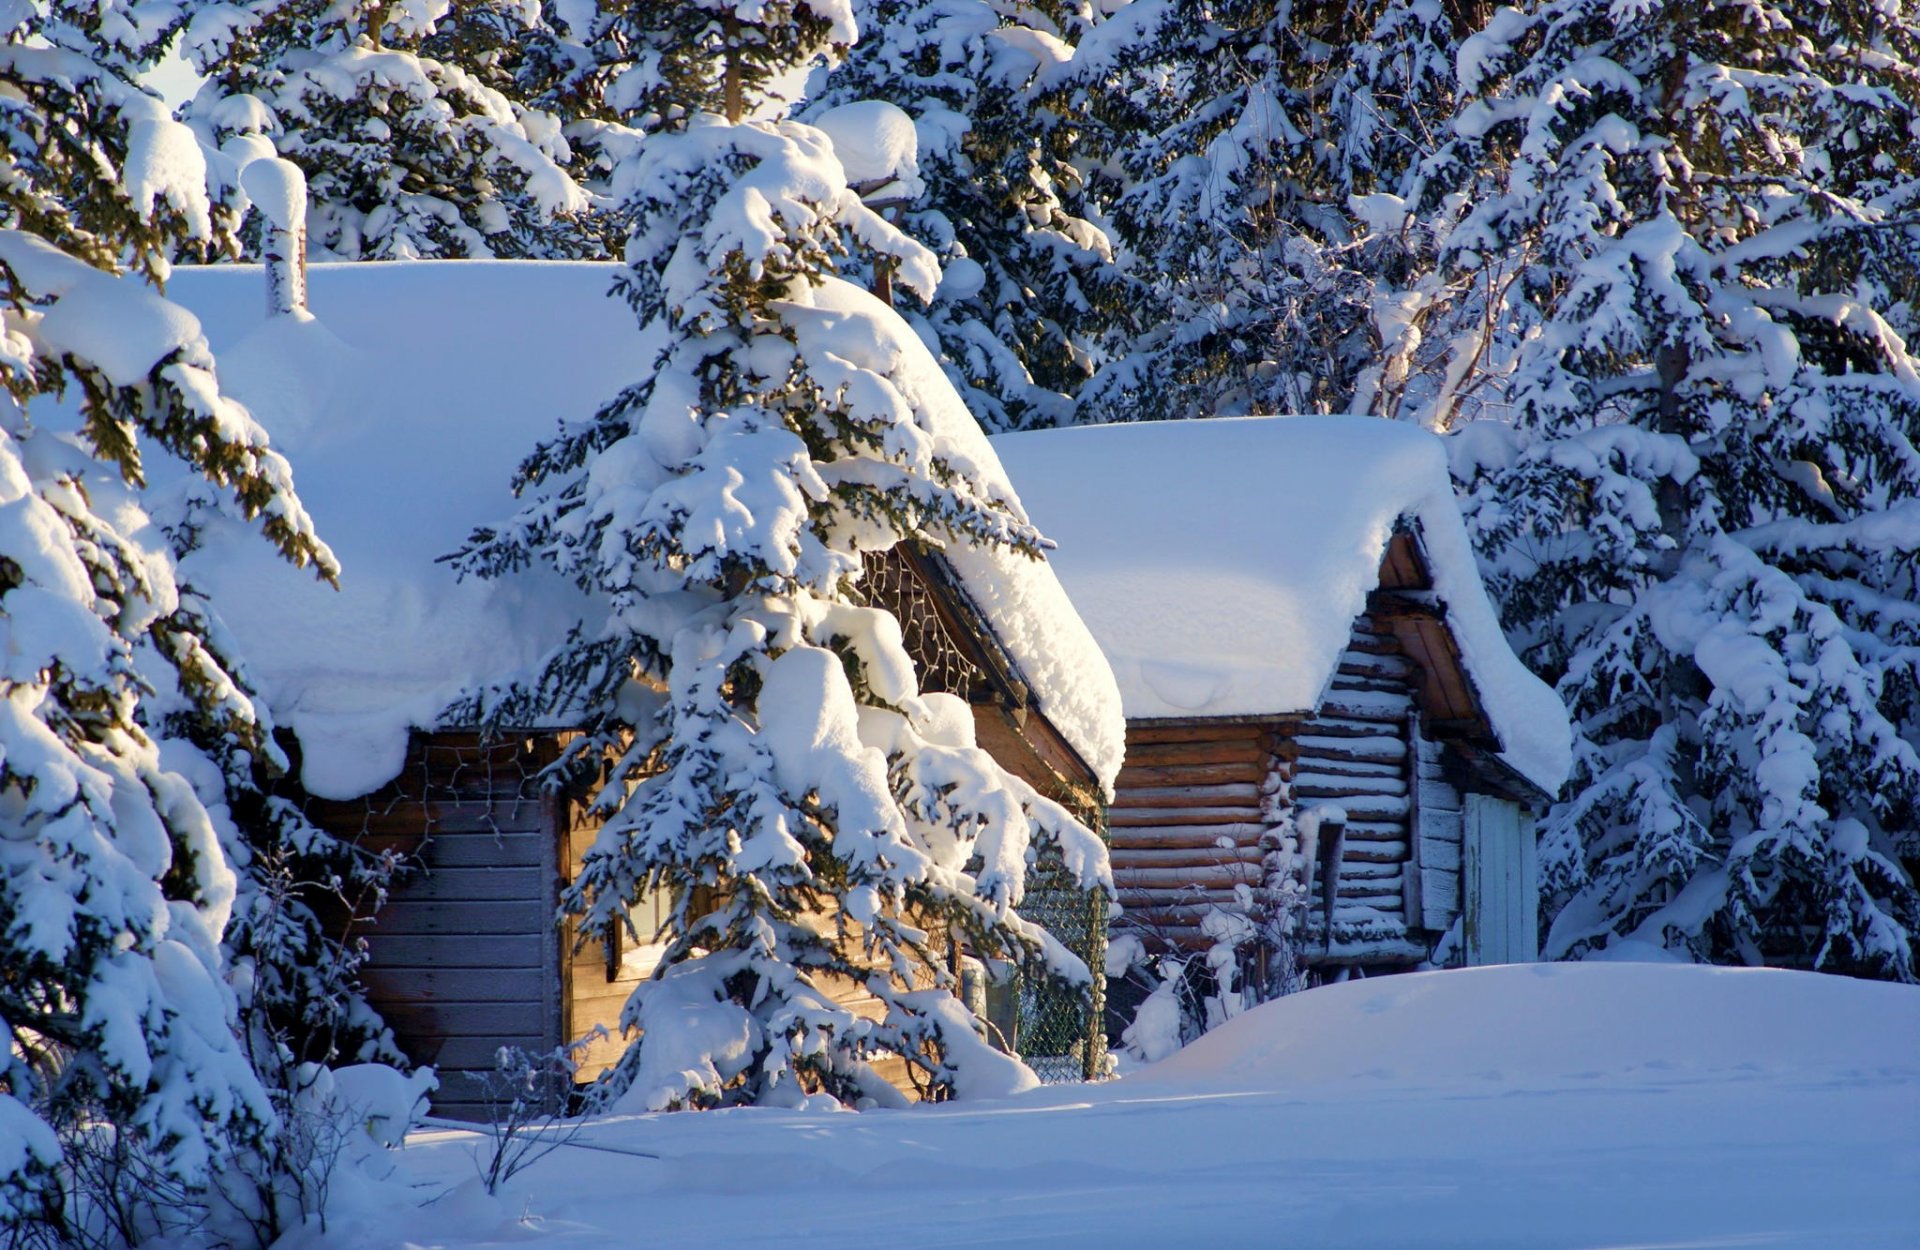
x=1199, y=804
x=1434, y=897
x=1356, y=751
x=463, y=959
x=1186, y=823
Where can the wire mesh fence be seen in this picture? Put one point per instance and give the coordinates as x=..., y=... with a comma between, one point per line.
x=1057, y=1026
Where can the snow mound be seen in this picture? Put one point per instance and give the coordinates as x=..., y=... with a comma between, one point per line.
x=1549, y=1024
x=1221, y=563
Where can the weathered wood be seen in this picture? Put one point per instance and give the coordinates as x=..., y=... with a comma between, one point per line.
x=470, y=884
x=1410, y=878
x=1439, y=853
x=1359, y=807
x=1242, y=794
x=527, y=917
x=463, y=950
x=1213, y=729
x=443, y=985
x=1207, y=876
x=1163, y=754
x=1438, y=796
x=1185, y=835
x=1181, y=857
x=1318, y=784
x=444, y=850
x=1341, y=726
x=1136, y=778
x=1156, y=817
x=1440, y=892
x=1376, y=852
x=1375, y=707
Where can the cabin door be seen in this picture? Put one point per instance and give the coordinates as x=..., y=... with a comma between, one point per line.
x=1501, y=883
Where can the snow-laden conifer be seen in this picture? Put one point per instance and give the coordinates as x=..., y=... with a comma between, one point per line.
x=1027, y=274
x=412, y=123
x=115, y=886
x=816, y=820
x=1254, y=156
x=1692, y=239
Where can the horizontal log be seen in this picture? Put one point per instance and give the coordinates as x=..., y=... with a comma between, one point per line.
x=1213, y=730
x=1359, y=807
x=1438, y=796
x=1181, y=857
x=1376, y=663
x=1339, y=764
x=1132, y=777
x=1439, y=896
x=455, y=951
x=1438, y=852
x=1375, y=852
x=1325, y=785
x=1367, y=705
x=1165, y=754
x=1159, y=817
x=1208, y=876
x=1186, y=835
x=1326, y=724
x=1241, y=793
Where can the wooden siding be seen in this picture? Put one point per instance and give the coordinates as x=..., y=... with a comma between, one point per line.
x=463, y=958
x=1437, y=865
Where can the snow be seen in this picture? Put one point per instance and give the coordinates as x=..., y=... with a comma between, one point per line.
x=1034, y=616
x=1525, y=1106
x=119, y=324
x=876, y=143
x=1221, y=563
x=278, y=189
x=405, y=403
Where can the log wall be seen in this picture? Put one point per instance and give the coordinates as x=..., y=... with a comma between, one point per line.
x=1201, y=808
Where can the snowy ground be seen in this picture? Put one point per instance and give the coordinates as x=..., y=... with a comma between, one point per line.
x=1598, y=1105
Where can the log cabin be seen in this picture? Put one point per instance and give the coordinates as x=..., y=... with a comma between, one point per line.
x=405, y=397
x=1322, y=711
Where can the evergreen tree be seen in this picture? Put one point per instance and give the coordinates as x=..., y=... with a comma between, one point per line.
x=1255, y=156
x=998, y=196
x=776, y=771
x=115, y=888
x=412, y=123
x=1692, y=233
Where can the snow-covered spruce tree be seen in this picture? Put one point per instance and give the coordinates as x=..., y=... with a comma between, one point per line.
x=1693, y=223
x=408, y=121
x=815, y=819
x=1253, y=155
x=998, y=197
x=114, y=887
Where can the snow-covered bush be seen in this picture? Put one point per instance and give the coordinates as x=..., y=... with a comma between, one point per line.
x=1691, y=254
x=409, y=121
x=815, y=819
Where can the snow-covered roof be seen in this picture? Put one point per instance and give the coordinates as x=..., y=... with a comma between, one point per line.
x=405, y=404
x=1221, y=563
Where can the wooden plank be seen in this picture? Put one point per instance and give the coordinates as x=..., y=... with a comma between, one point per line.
x=467, y=918
x=487, y=884
x=513, y=850
x=1326, y=725
x=1439, y=896
x=1377, y=748
x=1438, y=796
x=1359, y=807
x=443, y=984
x=1410, y=878
x=1317, y=784
x=425, y=1021
x=1443, y=826
x=452, y=951
x=1366, y=705
x=1439, y=853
